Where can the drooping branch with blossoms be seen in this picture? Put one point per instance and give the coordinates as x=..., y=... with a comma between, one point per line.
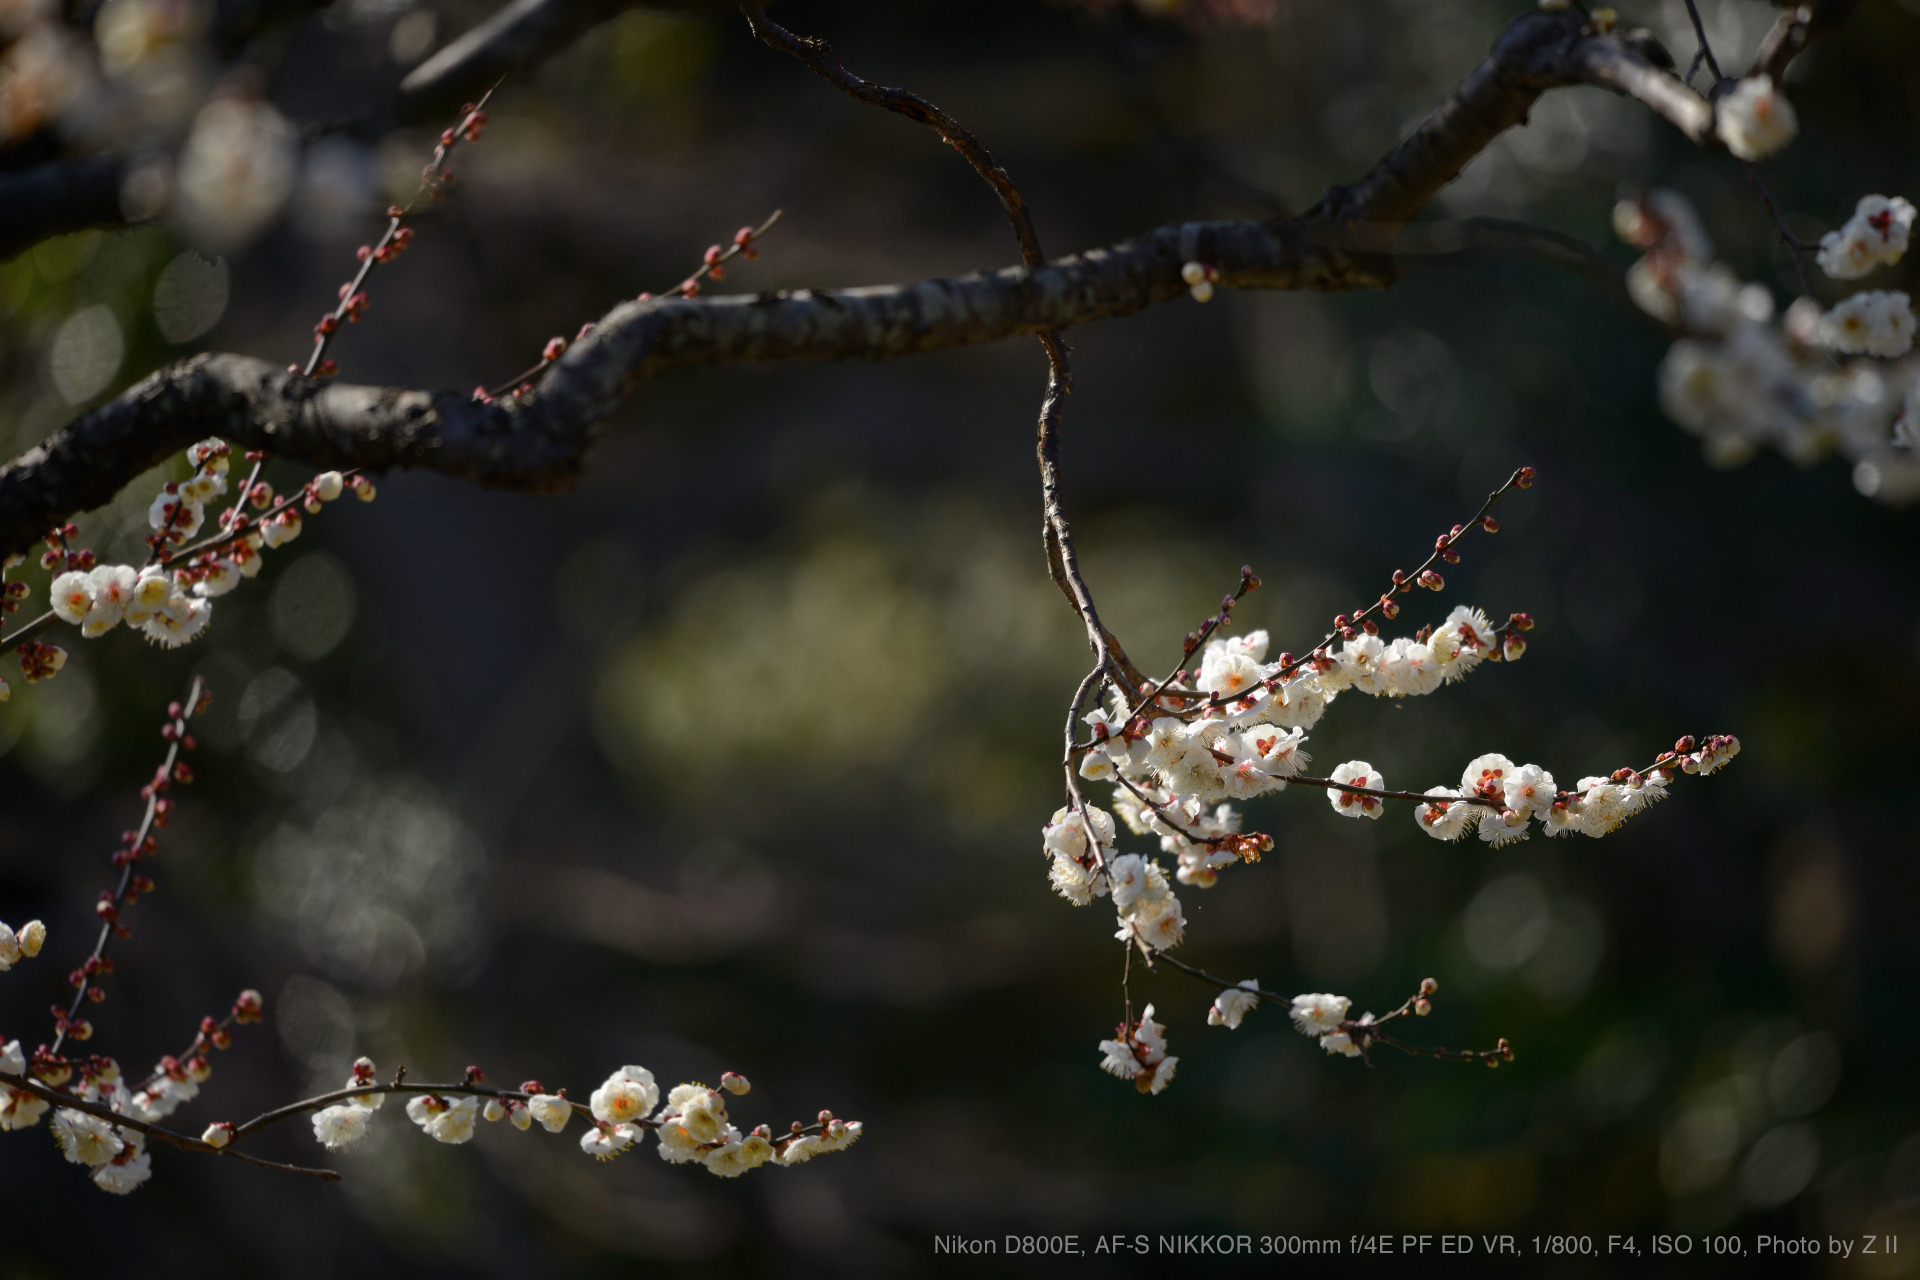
x=1182, y=750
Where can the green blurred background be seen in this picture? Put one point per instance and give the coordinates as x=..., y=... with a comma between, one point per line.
x=737, y=757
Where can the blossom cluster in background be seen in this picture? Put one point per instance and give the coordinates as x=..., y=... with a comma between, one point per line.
x=1807, y=382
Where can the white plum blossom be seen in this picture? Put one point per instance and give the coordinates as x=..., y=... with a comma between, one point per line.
x=699, y=1111
x=1232, y=666
x=1878, y=322
x=1485, y=776
x=1127, y=875
x=604, y=1141
x=677, y=1146
x=1360, y=774
x=1319, y=1013
x=449, y=1120
x=112, y=588
x=1072, y=881
x=1447, y=816
x=1463, y=641
x=151, y=589
x=1755, y=119
x=19, y=1109
x=126, y=1171
x=1875, y=236
x=71, y=596
x=178, y=621
x=342, y=1127
x=1158, y=923
x=1503, y=827
x=628, y=1094
x=735, y=1158
x=85, y=1139
x=174, y=512
x=551, y=1110
x=1066, y=832
x=1140, y=1055
x=1279, y=750
x=1233, y=1004
x=1410, y=668
x=1360, y=658
x=1340, y=1042
x=1529, y=791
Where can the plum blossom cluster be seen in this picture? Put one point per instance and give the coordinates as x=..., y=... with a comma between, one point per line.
x=1875, y=236
x=692, y=1126
x=172, y=606
x=1806, y=382
x=1233, y=726
x=102, y=1121
x=1237, y=731
x=1501, y=799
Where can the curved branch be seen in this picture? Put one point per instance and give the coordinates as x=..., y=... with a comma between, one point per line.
x=1537, y=52
x=539, y=442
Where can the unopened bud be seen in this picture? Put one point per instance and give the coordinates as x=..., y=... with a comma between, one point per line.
x=218, y=1134
x=735, y=1083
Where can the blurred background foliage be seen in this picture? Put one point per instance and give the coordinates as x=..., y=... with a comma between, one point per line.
x=737, y=756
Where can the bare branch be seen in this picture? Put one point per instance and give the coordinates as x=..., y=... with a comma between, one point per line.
x=539, y=441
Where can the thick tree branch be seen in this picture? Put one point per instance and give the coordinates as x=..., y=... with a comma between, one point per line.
x=1537, y=52
x=540, y=441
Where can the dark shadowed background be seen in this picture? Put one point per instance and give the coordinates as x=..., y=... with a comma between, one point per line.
x=737, y=756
